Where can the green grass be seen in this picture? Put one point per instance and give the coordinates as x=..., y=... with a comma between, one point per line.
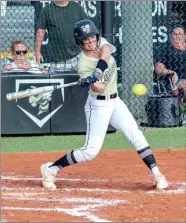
x=157, y=138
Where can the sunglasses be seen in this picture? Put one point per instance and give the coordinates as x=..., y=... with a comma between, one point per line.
x=22, y=51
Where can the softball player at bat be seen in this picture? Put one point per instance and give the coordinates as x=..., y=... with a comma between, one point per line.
x=97, y=69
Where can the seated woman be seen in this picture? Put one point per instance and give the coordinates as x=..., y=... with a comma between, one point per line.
x=20, y=62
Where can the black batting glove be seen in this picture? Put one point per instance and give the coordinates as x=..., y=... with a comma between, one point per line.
x=89, y=80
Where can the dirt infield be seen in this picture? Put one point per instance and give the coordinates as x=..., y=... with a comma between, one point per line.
x=115, y=187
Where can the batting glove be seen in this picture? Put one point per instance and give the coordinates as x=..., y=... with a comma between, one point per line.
x=89, y=80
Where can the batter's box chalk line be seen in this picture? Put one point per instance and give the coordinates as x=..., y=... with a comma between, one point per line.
x=80, y=211
x=62, y=200
x=26, y=178
x=179, y=190
x=99, y=190
x=83, y=206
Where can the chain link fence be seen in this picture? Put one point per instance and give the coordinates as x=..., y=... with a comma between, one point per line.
x=141, y=30
x=137, y=53
x=145, y=27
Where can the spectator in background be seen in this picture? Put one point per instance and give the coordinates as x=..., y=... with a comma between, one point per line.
x=172, y=59
x=19, y=51
x=59, y=18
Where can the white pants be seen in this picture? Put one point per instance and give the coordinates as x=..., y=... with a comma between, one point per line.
x=99, y=113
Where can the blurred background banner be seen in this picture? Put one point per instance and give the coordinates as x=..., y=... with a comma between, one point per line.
x=61, y=111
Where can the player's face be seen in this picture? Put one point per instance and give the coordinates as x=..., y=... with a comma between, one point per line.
x=178, y=35
x=90, y=43
x=20, y=52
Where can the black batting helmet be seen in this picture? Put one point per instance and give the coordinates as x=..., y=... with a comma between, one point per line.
x=84, y=29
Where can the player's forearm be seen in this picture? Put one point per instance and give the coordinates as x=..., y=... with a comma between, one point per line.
x=39, y=39
x=162, y=70
x=105, y=53
x=103, y=60
x=98, y=88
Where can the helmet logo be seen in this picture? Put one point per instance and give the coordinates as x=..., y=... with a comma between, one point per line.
x=86, y=28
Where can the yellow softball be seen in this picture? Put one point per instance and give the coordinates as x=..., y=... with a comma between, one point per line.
x=139, y=89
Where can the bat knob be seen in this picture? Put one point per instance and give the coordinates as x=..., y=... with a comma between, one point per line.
x=9, y=97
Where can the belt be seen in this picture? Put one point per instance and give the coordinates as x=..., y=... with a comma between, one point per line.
x=107, y=97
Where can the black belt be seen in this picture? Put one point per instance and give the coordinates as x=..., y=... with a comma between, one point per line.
x=107, y=97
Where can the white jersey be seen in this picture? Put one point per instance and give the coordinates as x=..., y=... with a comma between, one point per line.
x=87, y=65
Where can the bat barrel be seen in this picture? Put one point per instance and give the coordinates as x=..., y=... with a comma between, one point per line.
x=17, y=95
x=36, y=91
